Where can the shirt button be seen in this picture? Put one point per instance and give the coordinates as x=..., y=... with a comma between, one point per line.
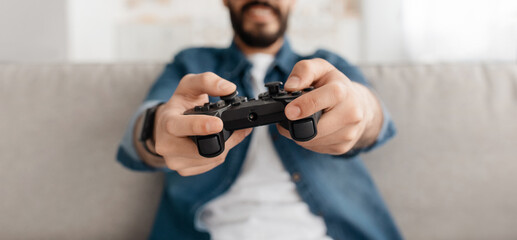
x=296, y=177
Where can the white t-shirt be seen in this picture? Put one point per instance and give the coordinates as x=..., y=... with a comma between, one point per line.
x=263, y=202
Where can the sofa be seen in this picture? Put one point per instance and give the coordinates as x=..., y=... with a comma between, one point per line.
x=450, y=173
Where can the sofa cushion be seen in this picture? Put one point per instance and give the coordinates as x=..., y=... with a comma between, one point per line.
x=448, y=174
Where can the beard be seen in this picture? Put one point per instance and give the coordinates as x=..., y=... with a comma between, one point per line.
x=257, y=38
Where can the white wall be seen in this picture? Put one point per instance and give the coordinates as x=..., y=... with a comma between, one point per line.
x=91, y=25
x=33, y=31
x=364, y=31
x=382, y=32
x=146, y=30
x=460, y=30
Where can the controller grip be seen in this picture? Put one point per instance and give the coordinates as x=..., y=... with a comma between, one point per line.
x=211, y=145
x=303, y=130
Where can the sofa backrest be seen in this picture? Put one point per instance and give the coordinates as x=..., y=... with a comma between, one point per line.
x=449, y=174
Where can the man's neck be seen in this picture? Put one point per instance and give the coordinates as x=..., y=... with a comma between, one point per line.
x=271, y=49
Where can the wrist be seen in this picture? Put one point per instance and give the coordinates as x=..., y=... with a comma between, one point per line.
x=373, y=118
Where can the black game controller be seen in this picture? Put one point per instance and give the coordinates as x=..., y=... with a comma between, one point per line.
x=238, y=112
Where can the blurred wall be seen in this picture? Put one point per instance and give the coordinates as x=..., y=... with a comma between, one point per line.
x=363, y=31
x=153, y=30
x=33, y=31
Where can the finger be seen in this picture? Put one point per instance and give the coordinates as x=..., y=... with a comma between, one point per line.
x=193, y=85
x=321, y=98
x=199, y=169
x=236, y=138
x=181, y=163
x=284, y=132
x=343, y=116
x=306, y=72
x=346, y=134
x=333, y=146
x=350, y=132
x=335, y=149
x=175, y=146
x=193, y=125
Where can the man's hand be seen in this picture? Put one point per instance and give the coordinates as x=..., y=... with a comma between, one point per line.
x=172, y=128
x=352, y=116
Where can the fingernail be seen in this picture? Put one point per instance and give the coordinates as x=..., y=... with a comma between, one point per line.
x=292, y=82
x=225, y=85
x=292, y=112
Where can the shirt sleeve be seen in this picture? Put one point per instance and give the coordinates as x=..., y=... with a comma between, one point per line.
x=388, y=129
x=160, y=91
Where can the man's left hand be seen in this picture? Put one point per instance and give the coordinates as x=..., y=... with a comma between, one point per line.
x=352, y=116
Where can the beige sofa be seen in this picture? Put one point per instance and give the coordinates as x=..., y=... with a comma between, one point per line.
x=451, y=173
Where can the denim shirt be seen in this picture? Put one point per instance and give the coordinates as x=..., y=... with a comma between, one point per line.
x=337, y=188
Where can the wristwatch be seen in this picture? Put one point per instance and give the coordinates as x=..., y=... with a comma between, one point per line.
x=147, y=132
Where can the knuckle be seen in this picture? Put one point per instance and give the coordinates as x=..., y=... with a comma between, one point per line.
x=309, y=105
x=169, y=124
x=340, y=149
x=207, y=77
x=338, y=91
x=356, y=115
x=198, y=127
x=305, y=64
x=328, y=66
x=160, y=149
x=306, y=144
x=184, y=173
x=321, y=60
x=344, y=149
x=349, y=136
x=188, y=75
x=219, y=160
x=172, y=163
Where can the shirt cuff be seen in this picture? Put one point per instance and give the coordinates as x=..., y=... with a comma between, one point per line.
x=126, y=153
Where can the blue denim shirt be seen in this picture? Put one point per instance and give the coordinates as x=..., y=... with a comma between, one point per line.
x=338, y=188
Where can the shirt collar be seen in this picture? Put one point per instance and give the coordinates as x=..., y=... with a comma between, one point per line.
x=235, y=61
x=285, y=58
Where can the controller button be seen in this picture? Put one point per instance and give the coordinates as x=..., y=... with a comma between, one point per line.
x=297, y=93
x=242, y=99
x=308, y=89
x=273, y=87
x=236, y=103
x=220, y=103
x=230, y=97
x=209, y=145
x=198, y=108
x=303, y=129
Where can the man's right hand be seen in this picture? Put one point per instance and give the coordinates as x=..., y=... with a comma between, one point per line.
x=172, y=128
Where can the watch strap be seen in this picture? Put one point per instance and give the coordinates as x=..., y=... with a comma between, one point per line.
x=147, y=133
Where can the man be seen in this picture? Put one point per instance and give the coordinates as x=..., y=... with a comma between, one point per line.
x=264, y=185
